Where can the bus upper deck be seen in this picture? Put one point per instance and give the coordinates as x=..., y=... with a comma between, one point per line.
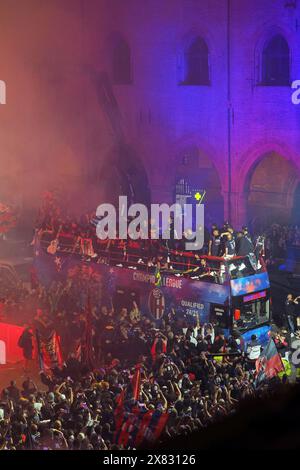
x=230, y=292
x=218, y=270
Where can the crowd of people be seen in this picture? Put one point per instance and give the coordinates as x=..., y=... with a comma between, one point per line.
x=188, y=374
x=191, y=373
x=279, y=238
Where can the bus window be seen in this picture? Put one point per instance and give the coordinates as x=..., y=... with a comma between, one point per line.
x=245, y=267
x=219, y=316
x=253, y=314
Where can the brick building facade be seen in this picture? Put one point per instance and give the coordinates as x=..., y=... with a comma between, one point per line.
x=134, y=96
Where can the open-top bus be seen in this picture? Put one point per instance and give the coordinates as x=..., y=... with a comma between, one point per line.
x=232, y=294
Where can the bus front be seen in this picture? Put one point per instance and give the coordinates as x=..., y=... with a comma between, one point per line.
x=250, y=302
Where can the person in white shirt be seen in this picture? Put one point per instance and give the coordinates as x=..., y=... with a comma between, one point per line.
x=253, y=349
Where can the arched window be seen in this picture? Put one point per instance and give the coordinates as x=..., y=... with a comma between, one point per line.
x=121, y=62
x=276, y=62
x=196, y=63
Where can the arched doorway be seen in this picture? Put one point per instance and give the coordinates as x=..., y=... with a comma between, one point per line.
x=123, y=174
x=271, y=189
x=196, y=173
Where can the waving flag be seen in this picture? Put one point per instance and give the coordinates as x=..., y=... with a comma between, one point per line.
x=136, y=382
x=140, y=427
x=135, y=425
x=269, y=363
x=151, y=426
x=49, y=351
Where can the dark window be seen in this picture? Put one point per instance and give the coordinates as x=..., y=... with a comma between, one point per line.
x=196, y=63
x=121, y=63
x=219, y=315
x=276, y=62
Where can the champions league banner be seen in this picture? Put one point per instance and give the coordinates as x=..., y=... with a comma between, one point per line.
x=191, y=299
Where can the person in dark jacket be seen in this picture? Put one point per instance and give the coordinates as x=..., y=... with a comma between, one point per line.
x=290, y=311
x=244, y=243
x=26, y=344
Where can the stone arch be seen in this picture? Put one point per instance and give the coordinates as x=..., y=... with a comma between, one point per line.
x=196, y=165
x=266, y=185
x=123, y=173
x=256, y=153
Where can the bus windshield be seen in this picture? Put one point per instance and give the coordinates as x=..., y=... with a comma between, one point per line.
x=244, y=267
x=252, y=310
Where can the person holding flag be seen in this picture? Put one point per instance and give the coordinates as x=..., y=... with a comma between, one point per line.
x=253, y=349
x=269, y=364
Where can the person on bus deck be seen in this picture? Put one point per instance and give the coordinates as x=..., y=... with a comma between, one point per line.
x=225, y=227
x=253, y=349
x=214, y=245
x=203, y=270
x=225, y=230
x=244, y=243
x=230, y=248
x=224, y=235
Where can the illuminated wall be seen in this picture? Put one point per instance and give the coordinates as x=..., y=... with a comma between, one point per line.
x=66, y=122
x=164, y=118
